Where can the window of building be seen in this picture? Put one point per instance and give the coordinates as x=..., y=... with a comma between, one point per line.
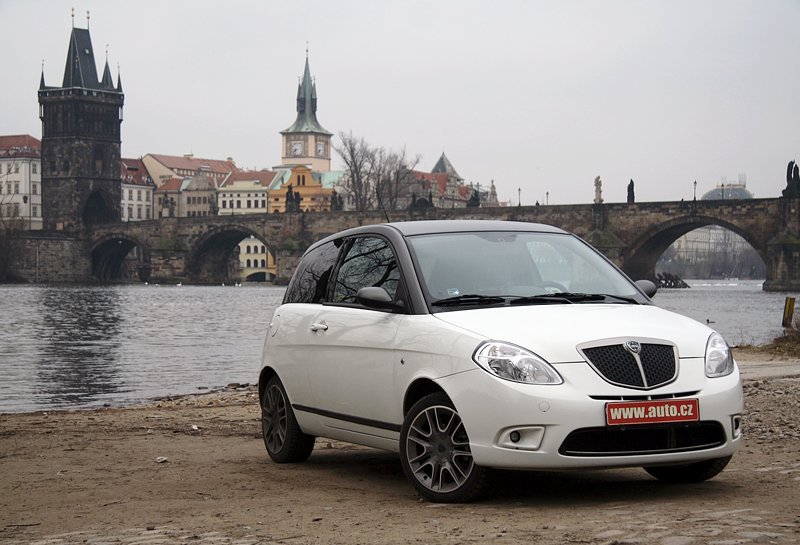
x=248, y=203
x=34, y=211
x=8, y=168
x=139, y=212
x=224, y=204
x=263, y=249
x=263, y=203
x=263, y=263
x=247, y=249
x=16, y=168
x=238, y=204
x=35, y=189
x=248, y=263
x=130, y=194
x=16, y=188
x=138, y=194
x=147, y=212
x=34, y=168
x=130, y=212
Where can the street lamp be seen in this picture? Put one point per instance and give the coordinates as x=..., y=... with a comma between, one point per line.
x=519, y=196
x=547, y=198
x=723, y=192
x=695, y=190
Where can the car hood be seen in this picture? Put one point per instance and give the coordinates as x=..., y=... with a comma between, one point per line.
x=554, y=331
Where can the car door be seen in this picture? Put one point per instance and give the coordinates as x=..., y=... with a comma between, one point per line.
x=351, y=348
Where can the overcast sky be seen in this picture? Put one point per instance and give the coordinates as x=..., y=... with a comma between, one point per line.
x=541, y=96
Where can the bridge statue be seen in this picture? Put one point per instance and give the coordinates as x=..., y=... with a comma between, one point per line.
x=792, y=181
x=598, y=191
x=290, y=201
x=631, y=197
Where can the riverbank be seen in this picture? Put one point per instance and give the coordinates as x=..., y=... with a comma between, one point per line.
x=192, y=469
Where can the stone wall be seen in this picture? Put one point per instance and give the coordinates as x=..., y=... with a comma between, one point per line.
x=50, y=258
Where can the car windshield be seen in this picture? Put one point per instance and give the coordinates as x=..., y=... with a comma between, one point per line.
x=469, y=269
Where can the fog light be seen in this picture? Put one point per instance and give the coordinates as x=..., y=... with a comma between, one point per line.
x=736, y=425
x=521, y=438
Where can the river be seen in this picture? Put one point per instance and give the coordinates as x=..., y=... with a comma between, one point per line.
x=75, y=347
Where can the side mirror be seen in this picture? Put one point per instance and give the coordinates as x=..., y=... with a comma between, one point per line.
x=374, y=297
x=648, y=287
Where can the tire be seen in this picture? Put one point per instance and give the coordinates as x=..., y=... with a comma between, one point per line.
x=284, y=439
x=689, y=473
x=435, y=453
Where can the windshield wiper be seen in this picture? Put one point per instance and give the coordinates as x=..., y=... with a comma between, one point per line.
x=469, y=299
x=621, y=298
x=544, y=299
x=568, y=297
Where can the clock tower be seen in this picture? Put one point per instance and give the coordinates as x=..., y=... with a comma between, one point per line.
x=306, y=142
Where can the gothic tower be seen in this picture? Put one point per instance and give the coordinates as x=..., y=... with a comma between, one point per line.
x=81, y=181
x=306, y=142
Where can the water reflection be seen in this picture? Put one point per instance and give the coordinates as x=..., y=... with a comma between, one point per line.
x=78, y=339
x=78, y=347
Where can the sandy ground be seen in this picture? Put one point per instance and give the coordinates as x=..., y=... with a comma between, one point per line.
x=194, y=470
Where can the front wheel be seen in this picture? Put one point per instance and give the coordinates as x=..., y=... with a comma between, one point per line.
x=689, y=473
x=435, y=453
x=284, y=439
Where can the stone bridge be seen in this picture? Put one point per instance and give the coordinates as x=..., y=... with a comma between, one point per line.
x=634, y=236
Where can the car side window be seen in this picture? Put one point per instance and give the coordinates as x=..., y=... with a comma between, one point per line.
x=368, y=262
x=310, y=281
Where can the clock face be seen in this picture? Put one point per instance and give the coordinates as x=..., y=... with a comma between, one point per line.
x=297, y=148
x=321, y=149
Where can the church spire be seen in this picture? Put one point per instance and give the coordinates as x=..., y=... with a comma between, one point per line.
x=107, y=82
x=307, y=106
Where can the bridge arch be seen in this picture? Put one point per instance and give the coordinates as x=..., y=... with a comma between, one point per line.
x=110, y=252
x=641, y=256
x=214, y=257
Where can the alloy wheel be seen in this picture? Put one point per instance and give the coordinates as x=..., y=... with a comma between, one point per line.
x=437, y=449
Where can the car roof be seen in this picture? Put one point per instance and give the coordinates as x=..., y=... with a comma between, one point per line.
x=429, y=227
x=425, y=227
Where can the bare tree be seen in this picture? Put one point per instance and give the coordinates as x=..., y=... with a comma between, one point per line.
x=358, y=181
x=11, y=224
x=394, y=179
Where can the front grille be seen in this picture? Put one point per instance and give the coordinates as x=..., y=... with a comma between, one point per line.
x=643, y=439
x=658, y=362
x=619, y=366
x=615, y=364
x=645, y=397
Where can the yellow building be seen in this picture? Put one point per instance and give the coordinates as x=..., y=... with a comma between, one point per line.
x=299, y=189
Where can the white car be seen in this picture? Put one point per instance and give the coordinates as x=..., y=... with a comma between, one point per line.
x=472, y=345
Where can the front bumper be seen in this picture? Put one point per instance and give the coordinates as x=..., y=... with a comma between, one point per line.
x=492, y=409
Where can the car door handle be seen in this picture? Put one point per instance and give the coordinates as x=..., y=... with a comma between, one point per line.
x=322, y=326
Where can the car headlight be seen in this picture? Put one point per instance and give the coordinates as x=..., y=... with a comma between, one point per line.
x=514, y=363
x=719, y=359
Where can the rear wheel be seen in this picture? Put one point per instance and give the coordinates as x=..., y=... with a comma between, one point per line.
x=689, y=473
x=435, y=452
x=284, y=439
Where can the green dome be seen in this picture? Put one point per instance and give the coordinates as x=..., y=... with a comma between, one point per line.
x=727, y=192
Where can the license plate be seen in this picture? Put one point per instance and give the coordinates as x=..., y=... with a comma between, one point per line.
x=652, y=412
